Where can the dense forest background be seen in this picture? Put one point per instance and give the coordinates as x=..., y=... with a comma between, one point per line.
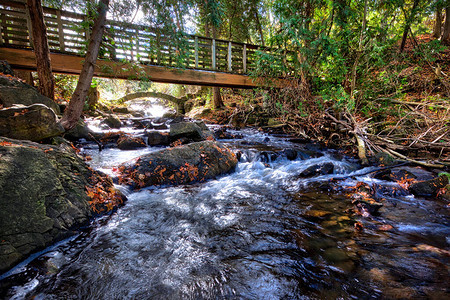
x=368, y=73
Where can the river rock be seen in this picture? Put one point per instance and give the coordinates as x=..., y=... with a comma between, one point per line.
x=112, y=121
x=428, y=187
x=188, y=130
x=156, y=138
x=43, y=196
x=268, y=156
x=316, y=170
x=35, y=122
x=80, y=131
x=291, y=154
x=190, y=163
x=127, y=142
x=13, y=91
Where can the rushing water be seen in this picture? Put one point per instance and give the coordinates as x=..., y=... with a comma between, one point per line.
x=258, y=233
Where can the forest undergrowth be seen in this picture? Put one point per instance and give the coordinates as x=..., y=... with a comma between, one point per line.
x=402, y=108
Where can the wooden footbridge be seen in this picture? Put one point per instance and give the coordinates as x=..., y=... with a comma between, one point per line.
x=130, y=51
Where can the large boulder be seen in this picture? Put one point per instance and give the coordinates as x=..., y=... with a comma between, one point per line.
x=45, y=192
x=35, y=122
x=181, y=165
x=14, y=91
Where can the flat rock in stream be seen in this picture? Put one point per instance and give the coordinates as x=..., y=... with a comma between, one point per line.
x=186, y=164
x=45, y=192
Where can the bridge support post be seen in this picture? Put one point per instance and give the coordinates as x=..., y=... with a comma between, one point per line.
x=60, y=31
x=213, y=54
x=229, y=57
x=196, y=52
x=244, y=59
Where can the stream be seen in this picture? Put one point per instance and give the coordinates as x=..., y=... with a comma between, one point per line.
x=260, y=232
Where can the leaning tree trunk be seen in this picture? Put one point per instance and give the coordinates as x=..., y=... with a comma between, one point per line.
x=437, y=29
x=446, y=33
x=41, y=50
x=73, y=112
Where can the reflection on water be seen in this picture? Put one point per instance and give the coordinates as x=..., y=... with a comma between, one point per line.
x=259, y=233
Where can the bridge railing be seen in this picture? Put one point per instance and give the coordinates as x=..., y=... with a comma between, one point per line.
x=68, y=32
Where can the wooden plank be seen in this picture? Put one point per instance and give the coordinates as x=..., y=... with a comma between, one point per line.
x=213, y=54
x=71, y=64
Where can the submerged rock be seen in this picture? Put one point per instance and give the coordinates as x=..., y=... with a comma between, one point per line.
x=181, y=165
x=45, y=192
x=35, y=122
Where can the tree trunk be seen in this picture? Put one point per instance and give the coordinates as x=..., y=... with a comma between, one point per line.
x=408, y=25
x=446, y=33
x=258, y=24
x=218, y=102
x=437, y=30
x=41, y=50
x=75, y=108
x=93, y=96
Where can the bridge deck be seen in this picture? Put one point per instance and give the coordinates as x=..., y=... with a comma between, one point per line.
x=131, y=51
